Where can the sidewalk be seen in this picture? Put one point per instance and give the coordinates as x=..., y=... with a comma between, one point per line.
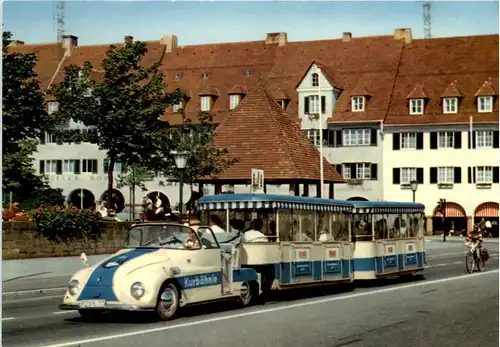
x=439, y=238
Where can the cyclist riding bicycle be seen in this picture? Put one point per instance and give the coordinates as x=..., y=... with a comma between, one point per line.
x=475, y=237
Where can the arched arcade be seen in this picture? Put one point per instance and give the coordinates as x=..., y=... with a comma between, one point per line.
x=82, y=198
x=455, y=222
x=489, y=212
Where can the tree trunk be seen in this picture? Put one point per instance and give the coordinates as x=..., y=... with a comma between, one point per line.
x=111, y=167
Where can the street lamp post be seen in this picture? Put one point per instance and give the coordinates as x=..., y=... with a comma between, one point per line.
x=181, y=159
x=414, y=187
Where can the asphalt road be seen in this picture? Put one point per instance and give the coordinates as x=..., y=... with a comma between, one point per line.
x=448, y=308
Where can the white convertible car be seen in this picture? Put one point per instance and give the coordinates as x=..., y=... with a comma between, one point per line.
x=161, y=268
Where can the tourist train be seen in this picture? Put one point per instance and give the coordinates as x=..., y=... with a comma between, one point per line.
x=249, y=244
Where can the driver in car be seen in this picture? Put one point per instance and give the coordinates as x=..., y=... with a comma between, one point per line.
x=192, y=241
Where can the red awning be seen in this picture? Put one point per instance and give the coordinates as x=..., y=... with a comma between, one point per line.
x=487, y=209
x=453, y=210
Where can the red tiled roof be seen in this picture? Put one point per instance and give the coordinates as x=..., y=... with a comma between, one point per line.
x=417, y=93
x=387, y=68
x=277, y=145
x=48, y=58
x=238, y=89
x=209, y=91
x=360, y=90
x=452, y=91
x=435, y=63
x=279, y=94
x=487, y=89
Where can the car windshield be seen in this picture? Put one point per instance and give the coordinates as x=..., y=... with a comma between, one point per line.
x=170, y=236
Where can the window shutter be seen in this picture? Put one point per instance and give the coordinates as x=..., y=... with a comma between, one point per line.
x=420, y=175
x=331, y=138
x=473, y=175
x=58, y=167
x=323, y=104
x=306, y=105
x=469, y=175
x=495, y=174
x=354, y=173
x=373, y=173
x=373, y=140
x=94, y=166
x=495, y=139
x=42, y=167
x=434, y=140
x=42, y=137
x=338, y=138
x=434, y=175
x=395, y=141
x=457, y=176
x=338, y=168
x=105, y=165
x=457, y=139
x=76, y=167
x=473, y=139
x=396, y=175
x=420, y=140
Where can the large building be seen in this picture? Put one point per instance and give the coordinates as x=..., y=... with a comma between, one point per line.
x=394, y=109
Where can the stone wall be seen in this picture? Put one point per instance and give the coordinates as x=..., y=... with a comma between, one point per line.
x=20, y=240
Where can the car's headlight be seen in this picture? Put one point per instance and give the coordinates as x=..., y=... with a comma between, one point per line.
x=73, y=287
x=137, y=290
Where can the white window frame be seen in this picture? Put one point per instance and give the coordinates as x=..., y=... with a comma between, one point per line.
x=49, y=138
x=346, y=171
x=68, y=166
x=484, y=139
x=358, y=104
x=416, y=106
x=313, y=136
x=52, y=106
x=356, y=137
x=177, y=107
x=363, y=171
x=407, y=174
x=484, y=174
x=87, y=164
x=446, y=175
x=50, y=167
x=314, y=104
x=315, y=79
x=484, y=104
x=448, y=139
x=234, y=101
x=450, y=105
x=206, y=103
x=408, y=140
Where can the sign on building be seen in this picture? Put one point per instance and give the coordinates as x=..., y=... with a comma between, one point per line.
x=257, y=185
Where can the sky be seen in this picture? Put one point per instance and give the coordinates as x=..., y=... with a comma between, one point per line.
x=101, y=22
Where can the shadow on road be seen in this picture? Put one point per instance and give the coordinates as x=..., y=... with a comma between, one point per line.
x=267, y=300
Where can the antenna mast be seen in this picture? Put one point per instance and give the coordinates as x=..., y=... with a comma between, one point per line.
x=427, y=20
x=59, y=23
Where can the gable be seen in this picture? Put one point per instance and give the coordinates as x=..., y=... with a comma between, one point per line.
x=306, y=82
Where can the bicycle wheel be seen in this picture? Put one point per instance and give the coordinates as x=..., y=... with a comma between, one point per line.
x=469, y=263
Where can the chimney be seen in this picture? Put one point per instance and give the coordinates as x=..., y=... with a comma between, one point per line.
x=69, y=42
x=346, y=37
x=16, y=43
x=279, y=38
x=128, y=39
x=170, y=42
x=403, y=34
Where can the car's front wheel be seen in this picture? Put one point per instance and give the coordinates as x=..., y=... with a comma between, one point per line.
x=168, y=302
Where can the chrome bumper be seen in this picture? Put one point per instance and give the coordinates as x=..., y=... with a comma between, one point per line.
x=108, y=307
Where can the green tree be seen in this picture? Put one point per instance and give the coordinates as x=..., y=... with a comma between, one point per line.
x=123, y=105
x=23, y=118
x=196, y=138
x=135, y=176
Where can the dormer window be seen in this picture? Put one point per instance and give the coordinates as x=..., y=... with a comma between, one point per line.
x=52, y=107
x=206, y=103
x=484, y=104
x=358, y=103
x=281, y=103
x=234, y=100
x=178, y=75
x=205, y=75
x=248, y=72
x=315, y=79
x=416, y=106
x=450, y=105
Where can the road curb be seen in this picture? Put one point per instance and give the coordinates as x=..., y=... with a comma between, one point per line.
x=33, y=293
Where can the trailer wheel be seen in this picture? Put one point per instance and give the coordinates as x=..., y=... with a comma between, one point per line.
x=248, y=293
